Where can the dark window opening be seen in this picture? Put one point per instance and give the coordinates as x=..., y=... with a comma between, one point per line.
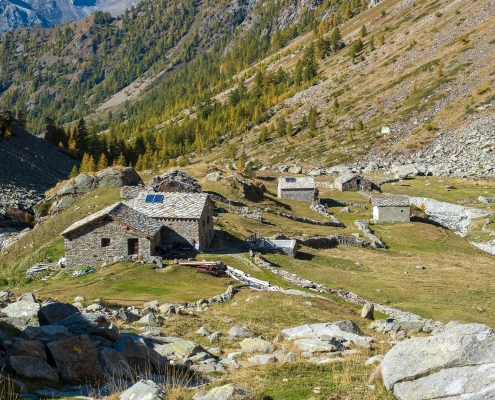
x=105, y=242
x=132, y=246
x=208, y=219
x=401, y=210
x=203, y=223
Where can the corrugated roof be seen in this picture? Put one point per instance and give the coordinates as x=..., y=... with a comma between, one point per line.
x=120, y=212
x=344, y=178
x=296, y=183
x=174, y=205
x=394, y=201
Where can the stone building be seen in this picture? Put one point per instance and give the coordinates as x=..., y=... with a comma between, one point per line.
x=347, y=182
x=187, y=217
x=391, y=208
x=116, y=231
x=300, y=189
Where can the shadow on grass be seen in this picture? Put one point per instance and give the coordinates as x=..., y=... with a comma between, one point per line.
x=331, y=202
x=301, y=255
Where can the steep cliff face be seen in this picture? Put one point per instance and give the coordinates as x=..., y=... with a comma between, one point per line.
x=19, y=14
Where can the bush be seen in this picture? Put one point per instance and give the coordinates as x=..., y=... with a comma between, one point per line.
x=45, y=207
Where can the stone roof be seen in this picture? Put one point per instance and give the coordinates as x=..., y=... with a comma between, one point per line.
x=391, y=201
x=121, y=213
x=173, y=205
x=345, y=178
x=296, y=183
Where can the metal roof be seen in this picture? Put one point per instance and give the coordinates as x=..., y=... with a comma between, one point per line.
x=174, y=205
x=121, y=213
x=296, y=183
x=391, y=201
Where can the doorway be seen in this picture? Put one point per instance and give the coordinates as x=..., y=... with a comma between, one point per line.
x=132, y=246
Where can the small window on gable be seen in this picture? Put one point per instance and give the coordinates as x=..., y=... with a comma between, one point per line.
x=203, y=223
x=401, y=210
x=208, y=219
x=105, y=242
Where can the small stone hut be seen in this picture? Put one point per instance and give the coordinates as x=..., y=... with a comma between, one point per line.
x=300, y=188
x=187, y=217
x=347, y=182
x=391, y=208
x=116, y=231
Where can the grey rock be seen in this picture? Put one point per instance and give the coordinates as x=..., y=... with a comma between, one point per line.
x=62, y=204
x=149, y=319
x=226, y=392
x=457, y=362
x=127, y=316
x=114, y=363
x=22, y=308
x=54, y=312
x=349, y=326
x=214, y=337
x=65, y=190
x=27, y=297
x=84, y=183
x=91, y=323
x=240, y=332
x=79, y=299
x=208, y=368
x=325, y=360
x=326, y=330
x=141, y=356
x=253, y=345
x=23, y=347
x=315, y=345
x=375, y=359
x=368, y=311
x=203, y=331
x=185, y=348
x=94, y=307
x=262, y=359
x=76, y=358
x=33, y=367
x=295, y=170
x=144, y=390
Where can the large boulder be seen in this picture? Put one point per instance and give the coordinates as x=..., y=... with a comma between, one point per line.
x=457, y=363
x=185, y=348
x=46, y=333
x=315, y=345
x=240, y=332
x=76, y=358
x=403, y=171
x=226, y=392
x=141, y=356
x=114, y=364
x=23, y=347
x=53, y=312
x=84, y=183
x=33, y=367
x=254, y=345
x=91, y=323
x=326, y=331
x=144, y=390
x=21, y=314
x=112, y=177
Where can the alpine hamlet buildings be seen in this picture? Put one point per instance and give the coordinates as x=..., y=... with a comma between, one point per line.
x=300, y=189
x=187, y=218
x=391, y=208
x=347, y=182
x=116, y=231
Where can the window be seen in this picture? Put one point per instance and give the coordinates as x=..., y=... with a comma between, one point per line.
x=105, y=242
x=401, y=210
x=208, y=219
x=203, y=223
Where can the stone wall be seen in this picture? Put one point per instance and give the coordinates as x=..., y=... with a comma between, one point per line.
x=84, y=246
x=356, y=183
x=195, y=233
x=307, y=195
x=287, y=247
x=391, y=214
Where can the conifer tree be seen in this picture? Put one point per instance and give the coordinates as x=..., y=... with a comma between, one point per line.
x=102, y=162
x=74, y=172
x=120, y=161
x=363, y=32
x=85, y=164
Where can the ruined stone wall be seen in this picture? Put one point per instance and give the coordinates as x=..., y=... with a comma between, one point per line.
x=356, y=183
x=206, y=230
x=307, y=195
x=84, y=247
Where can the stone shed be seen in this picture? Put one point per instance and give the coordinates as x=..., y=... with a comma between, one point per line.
x=116, y=231
x=300, y=188
x=187, y=217
x=391, y=208
x=347, y=182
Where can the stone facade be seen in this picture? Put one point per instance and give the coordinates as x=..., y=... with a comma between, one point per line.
x=102, y=240
x=285, y=246
x=306, y=195
x=189, y=232
x=391, y=213
x=355, y=182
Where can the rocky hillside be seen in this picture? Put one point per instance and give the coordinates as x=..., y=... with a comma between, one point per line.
x=29, y=167
x=16, y=14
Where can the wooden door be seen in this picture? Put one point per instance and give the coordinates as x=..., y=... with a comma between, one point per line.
x=132, y=246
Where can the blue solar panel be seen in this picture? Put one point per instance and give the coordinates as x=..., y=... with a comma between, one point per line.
x=290, y=179
x=154, y=198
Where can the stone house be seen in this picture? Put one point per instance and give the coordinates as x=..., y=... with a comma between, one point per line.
x=391, y=208
x=187, y=217
x=300, y=189
x=347, y=182
x=116, y=231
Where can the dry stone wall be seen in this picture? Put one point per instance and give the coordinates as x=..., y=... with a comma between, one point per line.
x=306, y=195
